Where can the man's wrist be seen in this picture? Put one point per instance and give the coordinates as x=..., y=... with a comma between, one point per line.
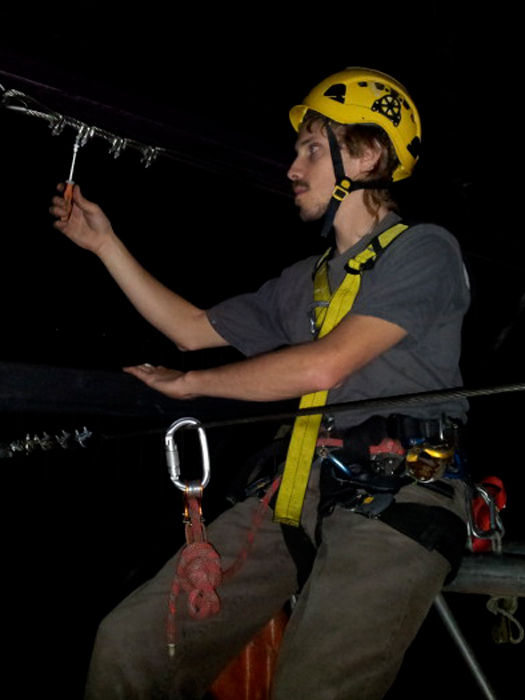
x=189, y=384
x=108, y=246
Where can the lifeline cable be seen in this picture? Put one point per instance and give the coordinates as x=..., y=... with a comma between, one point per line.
x=425, y=397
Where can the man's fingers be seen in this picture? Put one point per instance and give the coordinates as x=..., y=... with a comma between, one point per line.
x=144, y=372
x=150, y=374
x=82, y=202
x=133, y=370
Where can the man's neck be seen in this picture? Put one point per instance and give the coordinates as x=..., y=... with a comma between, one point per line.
x=354, y=223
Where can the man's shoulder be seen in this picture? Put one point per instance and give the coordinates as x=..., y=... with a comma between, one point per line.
x=426, y=239
x=301, y=268
x=428, y=228
x=425, y=254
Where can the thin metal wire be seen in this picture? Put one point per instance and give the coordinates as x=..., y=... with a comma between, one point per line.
x=57, y=122
x=18, y=101
x=218, y=162
x=427, y=397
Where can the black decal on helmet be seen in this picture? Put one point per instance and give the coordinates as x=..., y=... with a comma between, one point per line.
x=390, y=107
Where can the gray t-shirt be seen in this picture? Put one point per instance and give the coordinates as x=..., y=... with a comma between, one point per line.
x=419, y=283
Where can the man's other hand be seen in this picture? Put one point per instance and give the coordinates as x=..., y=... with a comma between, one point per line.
x=168, y=381
x=85, y=223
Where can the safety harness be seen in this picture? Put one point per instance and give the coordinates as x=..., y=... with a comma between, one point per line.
x=330, y=309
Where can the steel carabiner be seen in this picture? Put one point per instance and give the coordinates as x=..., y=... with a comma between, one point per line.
x=173, y=460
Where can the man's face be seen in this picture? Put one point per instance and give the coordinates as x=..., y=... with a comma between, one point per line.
x=312, y=173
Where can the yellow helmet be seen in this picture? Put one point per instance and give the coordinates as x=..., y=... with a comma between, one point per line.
x=364, y=96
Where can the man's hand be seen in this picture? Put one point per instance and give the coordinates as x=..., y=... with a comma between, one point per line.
x=168, y=381
x=86, y=225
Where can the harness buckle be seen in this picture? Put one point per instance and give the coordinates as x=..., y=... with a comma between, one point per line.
x=316, y=311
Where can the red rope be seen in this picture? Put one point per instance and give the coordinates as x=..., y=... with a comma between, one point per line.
x=256, y=524
x=199, y=570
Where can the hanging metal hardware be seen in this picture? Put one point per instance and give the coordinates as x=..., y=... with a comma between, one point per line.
x=57, y=125
x=496, y=529
x=173, y=460
x=149, y=154
x=117, y=146
x=32, y=444
x=17, y=101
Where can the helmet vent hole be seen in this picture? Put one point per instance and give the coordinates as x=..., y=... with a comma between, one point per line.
x=336, y=92
x=414, y=147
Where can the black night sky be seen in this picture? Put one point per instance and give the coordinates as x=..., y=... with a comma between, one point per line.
x=211, y=217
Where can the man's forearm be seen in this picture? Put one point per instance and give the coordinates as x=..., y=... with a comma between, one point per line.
x=287, y=373
x=278, y=375
x=185, y=324
x=283, y=374
x=88, y=227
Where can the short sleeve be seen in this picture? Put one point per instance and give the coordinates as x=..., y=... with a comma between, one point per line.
x=274, y=316
x=418, y=280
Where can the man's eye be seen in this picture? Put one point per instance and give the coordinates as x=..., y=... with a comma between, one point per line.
x=314, y=148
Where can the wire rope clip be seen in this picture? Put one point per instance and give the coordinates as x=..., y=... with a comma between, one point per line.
x=117, y=146
x=173, y=460
x=57, y=125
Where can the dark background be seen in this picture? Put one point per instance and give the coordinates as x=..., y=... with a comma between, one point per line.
x=213, y=216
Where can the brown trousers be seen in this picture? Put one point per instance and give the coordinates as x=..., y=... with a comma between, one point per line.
x=369, y=592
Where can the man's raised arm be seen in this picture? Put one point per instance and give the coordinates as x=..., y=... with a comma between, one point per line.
x=182, y=322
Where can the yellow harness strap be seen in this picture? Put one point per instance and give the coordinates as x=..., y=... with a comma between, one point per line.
x=330, y=310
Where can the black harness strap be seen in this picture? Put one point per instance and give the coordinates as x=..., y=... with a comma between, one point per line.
x=343, y=184
x=302, y=550
x=434, y=527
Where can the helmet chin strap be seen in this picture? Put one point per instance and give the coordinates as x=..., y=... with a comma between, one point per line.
x=343, y=184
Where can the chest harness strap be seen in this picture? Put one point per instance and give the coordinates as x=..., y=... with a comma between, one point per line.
x=330, y=309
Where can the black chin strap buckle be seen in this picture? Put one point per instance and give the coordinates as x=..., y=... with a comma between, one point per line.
x=342, y=189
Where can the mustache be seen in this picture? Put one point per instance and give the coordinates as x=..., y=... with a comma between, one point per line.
x=300, y=184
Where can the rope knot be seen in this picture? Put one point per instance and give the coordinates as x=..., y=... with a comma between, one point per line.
x=199, y=572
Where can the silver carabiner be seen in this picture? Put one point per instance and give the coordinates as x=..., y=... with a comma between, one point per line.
x=172, y=455
x=496, y=529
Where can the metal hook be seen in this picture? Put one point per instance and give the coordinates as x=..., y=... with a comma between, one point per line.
x=84, y=134
x=57, y=126
x=148, y=156
x=117, y=146
x=172, y=455
x=496, y=529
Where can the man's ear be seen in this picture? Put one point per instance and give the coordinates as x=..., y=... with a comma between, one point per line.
x=369, y=157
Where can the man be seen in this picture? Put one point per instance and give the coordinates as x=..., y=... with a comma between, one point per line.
x=383, y=309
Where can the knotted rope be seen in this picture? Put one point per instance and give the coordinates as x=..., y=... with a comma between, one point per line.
x=199, y=571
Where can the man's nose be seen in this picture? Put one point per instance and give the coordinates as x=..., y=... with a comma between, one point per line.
x=294, y=173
